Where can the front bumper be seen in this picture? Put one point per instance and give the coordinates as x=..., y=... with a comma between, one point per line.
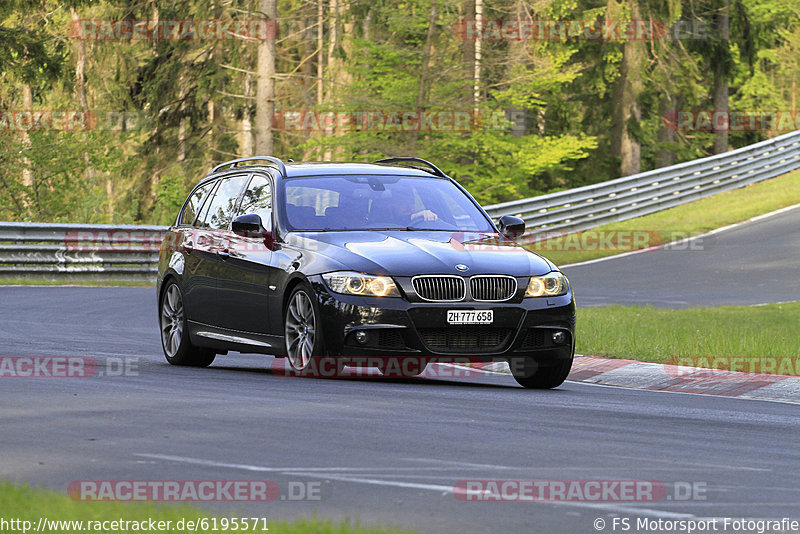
x=395, y=327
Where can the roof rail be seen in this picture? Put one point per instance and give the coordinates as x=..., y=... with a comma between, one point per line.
x=422, y=165
x=235, y=163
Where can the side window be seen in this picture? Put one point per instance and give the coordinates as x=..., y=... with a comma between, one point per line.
x=218, y=214
x=455, y=209
x=193, y=204
x=258, y=199
x=201, y=217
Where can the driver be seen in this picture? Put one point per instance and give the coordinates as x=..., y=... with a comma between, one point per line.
x=403, y=205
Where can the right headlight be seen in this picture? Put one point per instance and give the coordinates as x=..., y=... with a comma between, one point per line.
x=550, y=285
x=367, y=285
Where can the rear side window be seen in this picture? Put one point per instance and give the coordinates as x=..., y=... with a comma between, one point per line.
x=193, y=203
x=219, y=209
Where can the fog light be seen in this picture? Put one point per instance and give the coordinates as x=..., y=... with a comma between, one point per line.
x=361, y=337
x=559, y=338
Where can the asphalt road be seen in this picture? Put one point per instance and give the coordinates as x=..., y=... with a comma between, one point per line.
x=753, y=263
x=382, y=452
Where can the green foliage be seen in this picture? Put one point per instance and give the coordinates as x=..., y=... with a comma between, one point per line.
x=186, y=102
x=69, y=171
x=765, y=335
x=171, y=192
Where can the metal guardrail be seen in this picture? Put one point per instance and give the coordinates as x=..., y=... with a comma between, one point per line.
x=90, y=252
x=583, y=208
x=85, y=252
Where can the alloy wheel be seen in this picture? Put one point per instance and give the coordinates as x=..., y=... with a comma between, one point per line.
x=172, y=320
x=300, y=330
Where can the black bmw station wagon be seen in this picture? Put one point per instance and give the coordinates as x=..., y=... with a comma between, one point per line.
x=340, y=262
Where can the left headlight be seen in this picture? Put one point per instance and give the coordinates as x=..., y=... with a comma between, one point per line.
x=550, y=285
x=366, y=285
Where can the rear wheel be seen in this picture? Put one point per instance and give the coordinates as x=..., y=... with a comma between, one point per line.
x=178, y=349
x=303, y=336
x=530, y=374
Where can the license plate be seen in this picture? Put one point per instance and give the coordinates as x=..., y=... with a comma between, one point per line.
x=470, y=316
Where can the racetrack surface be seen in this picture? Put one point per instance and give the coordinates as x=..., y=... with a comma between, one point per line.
x=383, y=451
x=751, y=263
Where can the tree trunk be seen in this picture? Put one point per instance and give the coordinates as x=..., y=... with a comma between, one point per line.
x=27, y=173
x=722, y=27
x=83, y=102
x=422, y=89
x=666, y=133
x=468, y=53
x=336, y=71
x=215, y=110
x=182, y=122
x=476, y=85
x=320, y=48
x=265, y=85
x=155, y=176
x=517, y=53
x=247, y=119
x=334, y=63
x=80, y=65
x=333, y=36
x=308, y=52
x=625, y=108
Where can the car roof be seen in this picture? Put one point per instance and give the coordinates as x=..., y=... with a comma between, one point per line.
x=327, y=168
x=294, y=170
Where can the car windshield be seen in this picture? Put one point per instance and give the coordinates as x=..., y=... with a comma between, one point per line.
x=380, y=203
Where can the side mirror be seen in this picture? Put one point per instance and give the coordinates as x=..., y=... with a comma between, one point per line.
x=511, y=227
x=251, y=225
x=246, y=225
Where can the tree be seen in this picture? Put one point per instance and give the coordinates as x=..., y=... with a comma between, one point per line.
x=265, y=84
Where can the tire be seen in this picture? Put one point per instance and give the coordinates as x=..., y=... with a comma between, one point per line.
x=178, y=349
x=305, y=345
x=530, y=375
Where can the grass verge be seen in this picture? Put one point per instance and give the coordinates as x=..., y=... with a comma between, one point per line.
x=740, y=338
x=80, y=283
x=682, y=221
x=27, y=504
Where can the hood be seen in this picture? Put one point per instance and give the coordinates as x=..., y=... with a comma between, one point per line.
x=409, y=253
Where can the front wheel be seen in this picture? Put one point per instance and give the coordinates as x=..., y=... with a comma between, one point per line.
x=178, y=349
x=530, y=374
x=303, y=336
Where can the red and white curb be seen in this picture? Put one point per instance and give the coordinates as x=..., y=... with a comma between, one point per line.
x=678, y=378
